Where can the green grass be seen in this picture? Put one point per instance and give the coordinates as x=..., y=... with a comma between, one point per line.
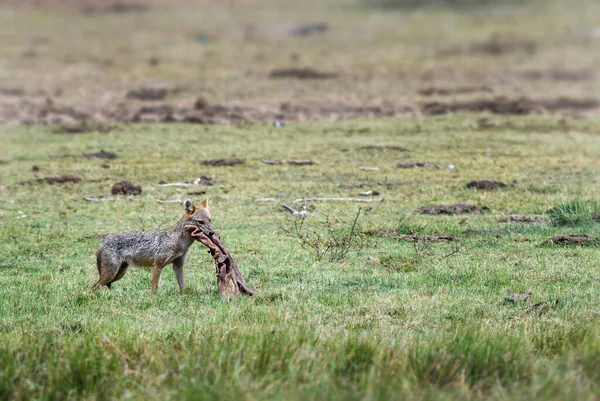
x=386, y=322
x=575, y=212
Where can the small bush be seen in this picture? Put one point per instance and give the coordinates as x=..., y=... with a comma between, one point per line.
x=332, y=239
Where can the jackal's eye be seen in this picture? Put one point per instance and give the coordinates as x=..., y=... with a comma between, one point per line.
x=200, y=221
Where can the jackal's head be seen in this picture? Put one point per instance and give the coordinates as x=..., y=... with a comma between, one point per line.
x=198, y=216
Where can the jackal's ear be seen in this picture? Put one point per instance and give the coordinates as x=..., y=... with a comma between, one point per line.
x=204, y=204
x=189, y=207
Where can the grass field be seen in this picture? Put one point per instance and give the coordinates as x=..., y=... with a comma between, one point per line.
x=385, y=318
x=388, y=321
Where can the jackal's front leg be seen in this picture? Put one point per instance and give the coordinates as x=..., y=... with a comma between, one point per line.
x=178, y=269
x=156, y=270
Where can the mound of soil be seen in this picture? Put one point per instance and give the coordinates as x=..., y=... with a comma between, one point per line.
x=505, y=106
x=301, y=73
x=115, y=7
x=433, y=91
x=515, y=218
x=426, y=238
x=91, y=6
x=63, y=179
x=459, y=208
x=498, y=46
x=495, y=233
x=151, y=93
x=568, y=239
x=126, y=188
x=386, y=147
x=220, y=162
x=486, y=184
x=82, y=128
x=290, y=162
x=410, y=237
x=309, y=29
x=101, y=155
x=411, y=164
x=558, y=75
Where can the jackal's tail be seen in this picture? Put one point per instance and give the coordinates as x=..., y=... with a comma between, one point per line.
x=99, y=261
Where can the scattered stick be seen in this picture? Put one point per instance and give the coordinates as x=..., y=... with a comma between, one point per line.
x=169, y=201
x=229, y=278
x=338, y=200
x=369, y=168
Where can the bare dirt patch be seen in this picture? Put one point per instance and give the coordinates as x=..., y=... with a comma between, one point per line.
x=91, y=117
x=102, y=154
x=516, y=218
x=82, y=128
x=433, y=91
x=301, y=73
x=413, y=164
x=92, y=6
x=290, y=162
x=568, y=239
x=151, y=93
x=63, y=179
x=220, y=162
x=309, y=29
x=483, y=233
x=459, y=208
x=486, y=184
x=410, y=237
x=384, y=147
x=126, y=188
x=498, y=46
x=557, y=75
x=505, y=106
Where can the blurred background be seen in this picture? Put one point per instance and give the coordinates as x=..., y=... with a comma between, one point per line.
x=238, y=61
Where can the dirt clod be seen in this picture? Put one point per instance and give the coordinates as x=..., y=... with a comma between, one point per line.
x=386, y=147
x=309, y=29
x=201, y=103
x=220, y=162
x=433, y=91
x=410, y=237
x=569, y=239
x=459, y=208
x=102, y=154
x=486, y=184
x=301, y=73
x=63, y=179
x=35, y=168
x=498, y=46
x=515, y=218
x=82, y=127
x=506, y=106
x=126, y=188
x=151, y=93
x=412, y=164
x=558, y=75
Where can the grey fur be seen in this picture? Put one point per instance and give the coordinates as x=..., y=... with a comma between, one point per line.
x=151, y=249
